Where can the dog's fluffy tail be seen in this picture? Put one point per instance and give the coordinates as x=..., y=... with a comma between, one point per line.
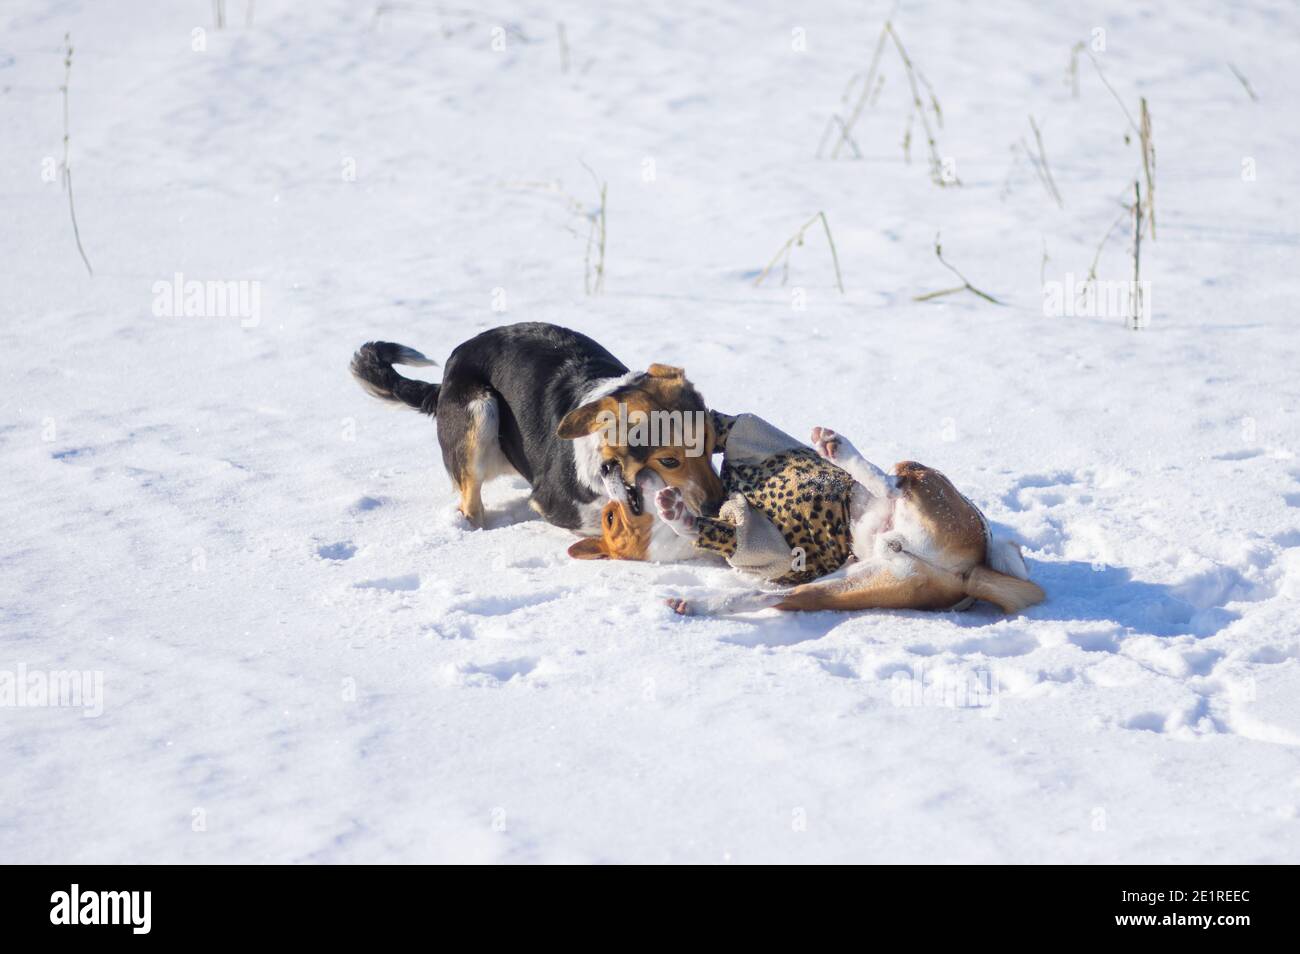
x=372, y=366
x=1004, y=581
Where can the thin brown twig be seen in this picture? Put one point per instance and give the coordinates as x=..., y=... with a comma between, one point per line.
x=964, y=286
x=564, y=47
x=865, y=96
x=934, y=100
x=1244, y=82
x=844, y=134
x=1135, y=295
x=76, y=232
x=1073, y=72
x=595, y=241
x=67, y=168
x=936, y=164
x=1101, y=74
x=797, y=239
x=596, y=237
x=1011, y=171
x=1040, y=164
x=1096, y=258
x=1149, y=165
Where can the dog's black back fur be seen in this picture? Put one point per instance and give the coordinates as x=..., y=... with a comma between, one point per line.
x=537, y=373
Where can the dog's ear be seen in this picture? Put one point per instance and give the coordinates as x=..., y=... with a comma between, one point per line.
x=670, y=387
x=589, y=548
x=581, y=421
x=666, y=371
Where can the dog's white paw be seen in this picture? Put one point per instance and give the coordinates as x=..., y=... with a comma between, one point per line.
x=672, y=511
x=833, y=446
x=679, y=606
x=826, y=442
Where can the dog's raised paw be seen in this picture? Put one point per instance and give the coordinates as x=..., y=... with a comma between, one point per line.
x=672, y=510
x=826, y=442
x=670, y=503
x=678, y=606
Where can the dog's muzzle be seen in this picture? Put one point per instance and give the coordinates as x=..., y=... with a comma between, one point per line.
x=611, y=475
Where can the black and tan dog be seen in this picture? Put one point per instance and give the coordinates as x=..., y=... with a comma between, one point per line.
x=504, y=399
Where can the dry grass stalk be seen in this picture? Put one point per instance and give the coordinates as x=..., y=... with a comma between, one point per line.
x=594, y=279
x=831, y=124
x=564, y=48
x=871, y=85
x=867, y=86
x=875, y=96
x=1040, y=164
x=1011, y=171
x=1135, y=296
x=593, y=272
x=1096, y=258
x=934, y=100
x=964, y=286
x=785, y=251
x=1146, y=143
x=936, y=164
x=1106, y=83
x=67, y=168
x=1073, y=72
x=1149, y=165
x=1244, y=82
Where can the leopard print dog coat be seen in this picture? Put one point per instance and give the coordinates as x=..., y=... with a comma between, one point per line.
x=787, y=513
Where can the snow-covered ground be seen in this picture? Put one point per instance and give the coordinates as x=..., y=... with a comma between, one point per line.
x=305, y=657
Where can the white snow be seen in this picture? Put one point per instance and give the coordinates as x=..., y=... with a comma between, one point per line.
x=305, y=657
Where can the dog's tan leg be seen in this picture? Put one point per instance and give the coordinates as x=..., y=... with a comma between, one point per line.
x=471, y=500
x=478, y=456
x=470, y=478
x=879, y=588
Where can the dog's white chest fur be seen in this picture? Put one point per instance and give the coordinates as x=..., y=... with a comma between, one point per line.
x=586, y=449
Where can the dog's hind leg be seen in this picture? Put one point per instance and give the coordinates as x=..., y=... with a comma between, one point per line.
x=878, y=587
x=469, y=432
x=869, y=588
x=851, y=592
x=719, y=604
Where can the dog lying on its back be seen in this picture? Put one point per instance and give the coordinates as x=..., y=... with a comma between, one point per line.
x=499, y=408
x=910, y=540
x=806, y=500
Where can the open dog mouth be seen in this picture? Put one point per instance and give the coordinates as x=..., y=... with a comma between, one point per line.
x=611, y=474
